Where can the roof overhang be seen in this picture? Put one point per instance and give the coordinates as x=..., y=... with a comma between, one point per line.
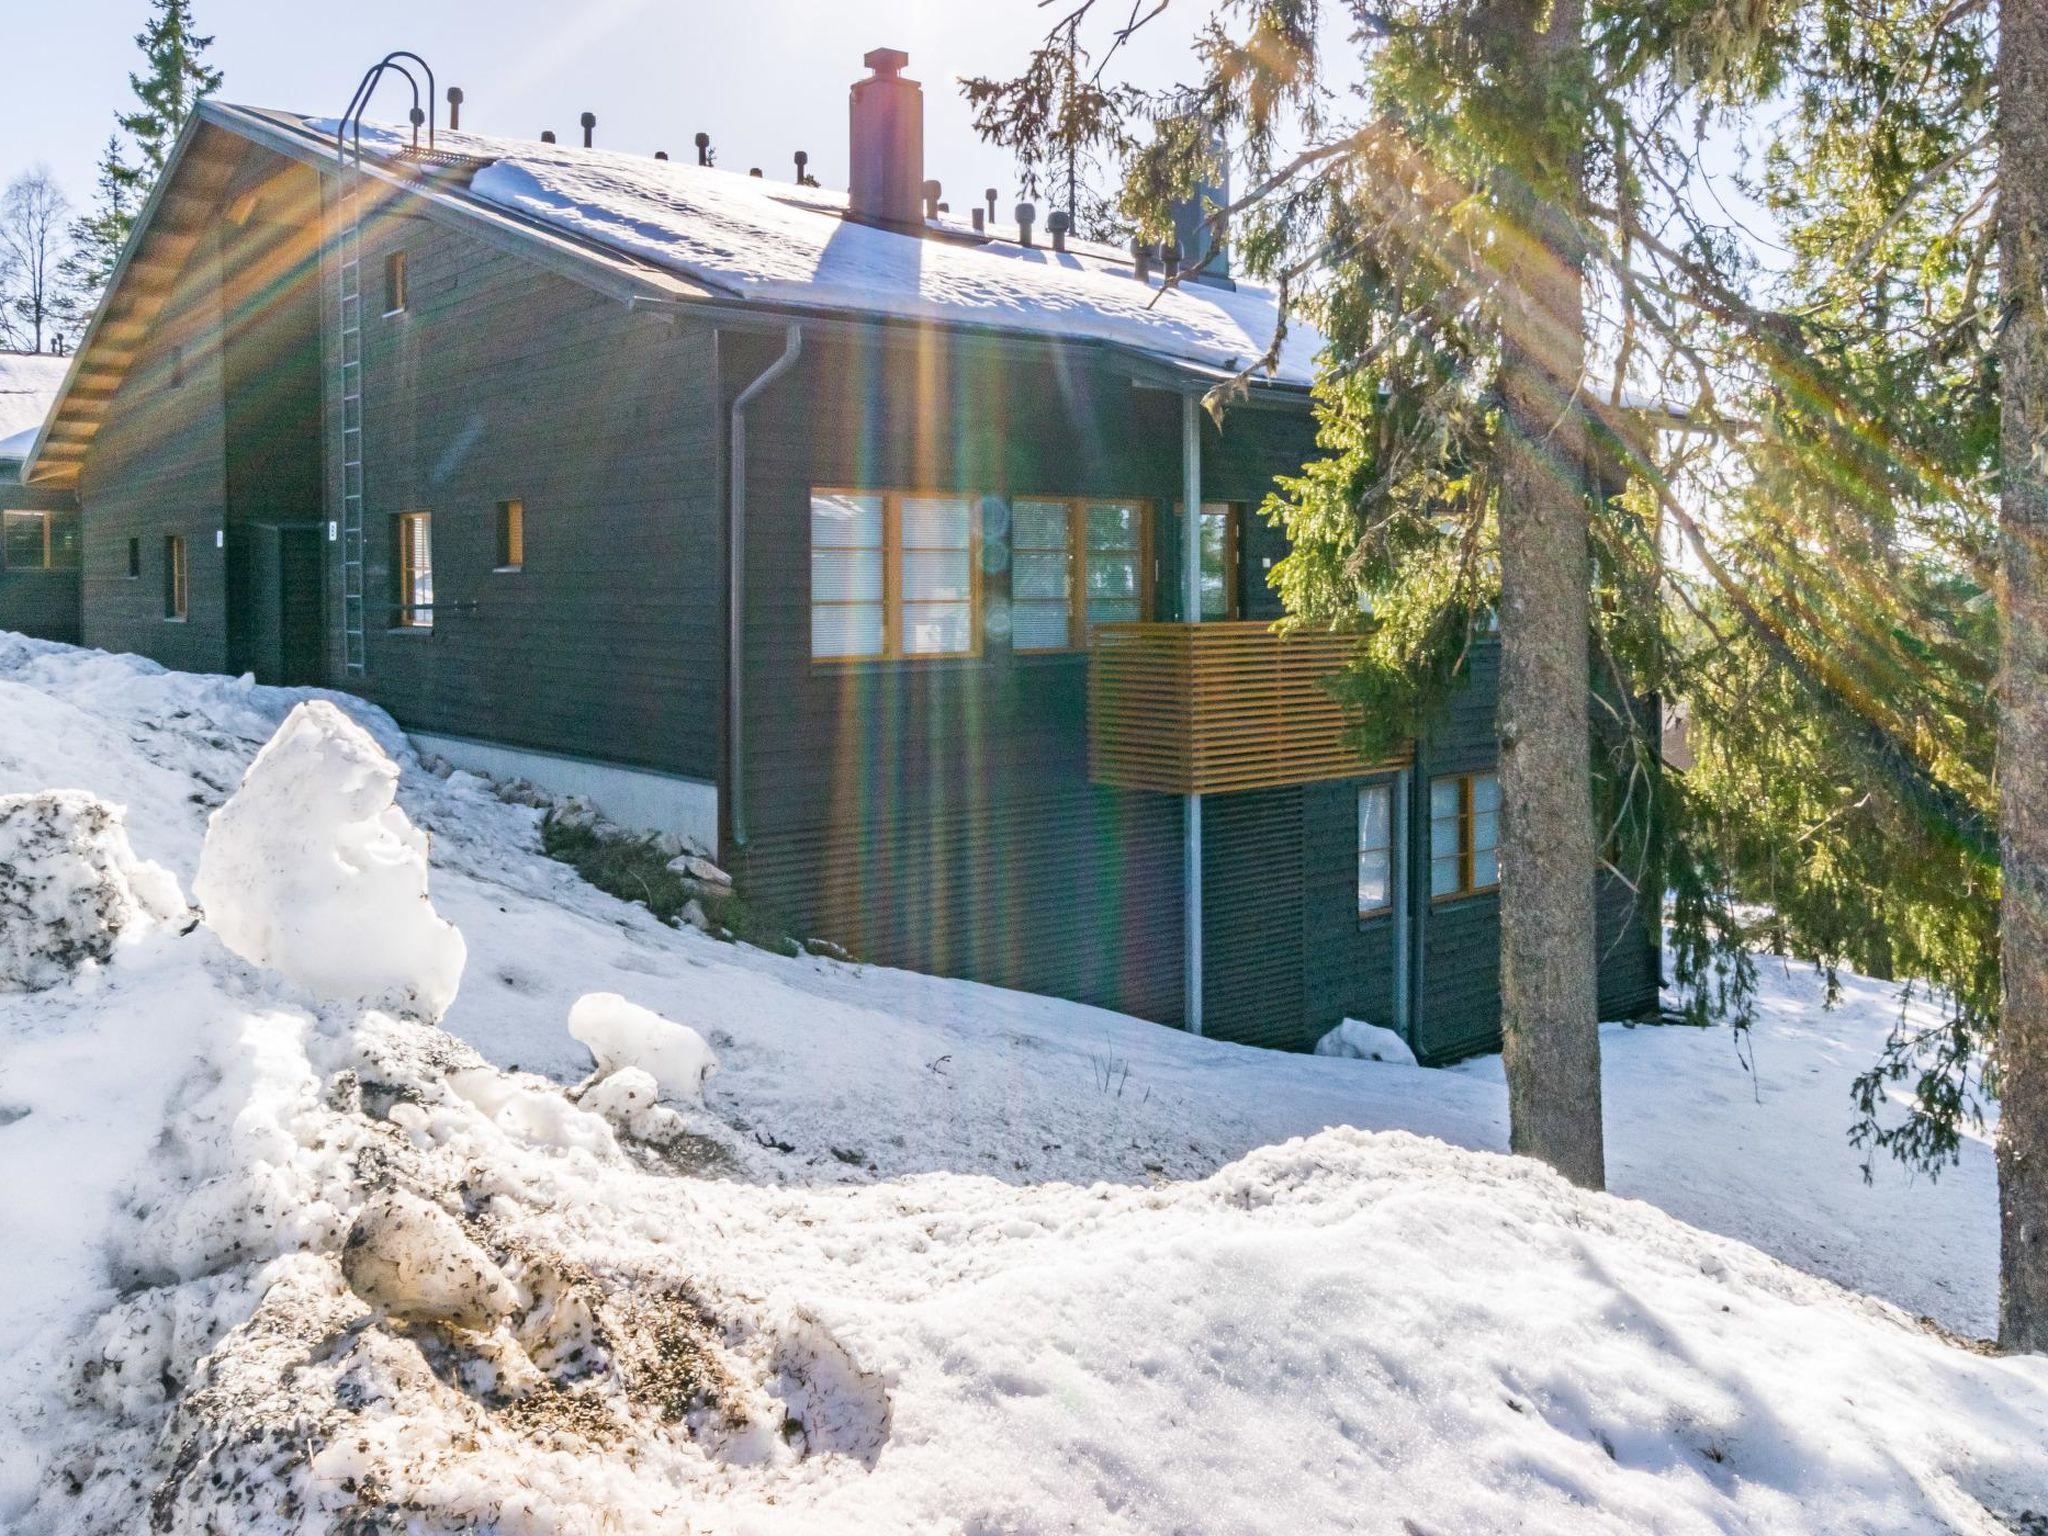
x=200, y=166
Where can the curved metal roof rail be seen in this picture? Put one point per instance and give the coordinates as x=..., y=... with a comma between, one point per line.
x=348, y=132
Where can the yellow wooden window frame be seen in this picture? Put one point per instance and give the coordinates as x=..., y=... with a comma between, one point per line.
x=511, y=535
x=1467, y=850
x=892, y=551
x=177, y=587
x=1077, y=563
x=407, y=614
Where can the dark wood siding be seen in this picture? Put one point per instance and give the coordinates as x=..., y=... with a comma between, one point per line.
x=501, y=381
x=938, y=813
x=37, y=602
x=156, y=468
x=1253, y=917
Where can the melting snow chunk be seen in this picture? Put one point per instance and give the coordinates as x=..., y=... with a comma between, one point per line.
x=312, y=870
x=622, y=1035
x=70, y=887
x=1365, y=1042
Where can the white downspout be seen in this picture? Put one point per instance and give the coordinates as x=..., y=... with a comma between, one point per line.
x=1191, y=612
x=736, y=579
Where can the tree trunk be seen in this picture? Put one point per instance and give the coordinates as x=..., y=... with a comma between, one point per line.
x=2023, y=695
x=1549, y=997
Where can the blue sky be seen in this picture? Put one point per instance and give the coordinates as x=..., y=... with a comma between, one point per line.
x=763, y=77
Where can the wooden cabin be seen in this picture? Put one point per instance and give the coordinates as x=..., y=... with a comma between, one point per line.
x=836, y=532
x=38, y=524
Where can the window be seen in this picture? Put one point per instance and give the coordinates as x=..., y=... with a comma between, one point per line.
x=1375, y=850
x=38, y=541
x=1219, y=561
x=511, y=535
x=894, y=575
x=394, y=282
x=1464, y=835
x=1074, y=564
x=413, y=565
x=174, y=578
x=134, y=559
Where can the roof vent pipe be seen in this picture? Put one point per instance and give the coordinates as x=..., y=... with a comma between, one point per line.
x=1169, y=261
x=1026, y=217
x=1141, y=258
x=454, y=108
x=1059, y=223
x=989, y=196
x=754, y=171
x=661, y=154
x=979, y=220
x=886, y=112
x=703, y=142
x=932, y=191
x=803, y=170
x=547, y=135
x=589, y=121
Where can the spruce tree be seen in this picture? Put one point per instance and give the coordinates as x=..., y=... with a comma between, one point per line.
x=167, y=90
x=170, y=86
x=97, y=239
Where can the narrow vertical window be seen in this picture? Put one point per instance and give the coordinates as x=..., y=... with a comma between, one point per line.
x=1219, y=561
x=936, y=537
x=1464, y=834
x=1484, y=836
x=412, y=534
x=394, y=282
x=135, y=559
x=1043, y=613
x=174, y=578
x=1375, y=849
x=848, y=587
x=511, y=535
x=1115, y=570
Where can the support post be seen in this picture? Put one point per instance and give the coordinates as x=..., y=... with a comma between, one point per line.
x=1191, y=613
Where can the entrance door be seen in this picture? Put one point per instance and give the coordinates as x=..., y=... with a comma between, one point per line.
x=274, y=574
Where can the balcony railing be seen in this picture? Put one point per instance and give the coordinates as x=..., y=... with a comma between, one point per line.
x=1207, y=708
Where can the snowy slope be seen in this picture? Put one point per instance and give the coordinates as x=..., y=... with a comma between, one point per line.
x=927, y=1313
x=780, y=243
x=28, y=383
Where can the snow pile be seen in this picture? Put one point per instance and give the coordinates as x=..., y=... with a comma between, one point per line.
x=313, y=870
x=71, y=887
x=623, y=1036
x=412, y=1260
x=299, y=1267
x=790, y=245
x=1356, y=1040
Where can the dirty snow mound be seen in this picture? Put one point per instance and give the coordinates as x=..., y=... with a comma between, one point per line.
x=71, y=887
x=312, y=870
x=624, y=1035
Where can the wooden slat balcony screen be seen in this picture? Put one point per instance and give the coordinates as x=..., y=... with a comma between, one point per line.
x=1207, y=708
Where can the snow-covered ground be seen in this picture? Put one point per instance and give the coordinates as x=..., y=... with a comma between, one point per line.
x=927, y=1255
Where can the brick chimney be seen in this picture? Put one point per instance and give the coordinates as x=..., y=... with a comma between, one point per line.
x=887, y=181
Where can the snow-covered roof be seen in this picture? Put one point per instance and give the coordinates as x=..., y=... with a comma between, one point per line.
x=777, y=243
x=28, y=383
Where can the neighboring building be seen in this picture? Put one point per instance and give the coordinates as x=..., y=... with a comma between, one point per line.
x=837, y=534
x=38, y=526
